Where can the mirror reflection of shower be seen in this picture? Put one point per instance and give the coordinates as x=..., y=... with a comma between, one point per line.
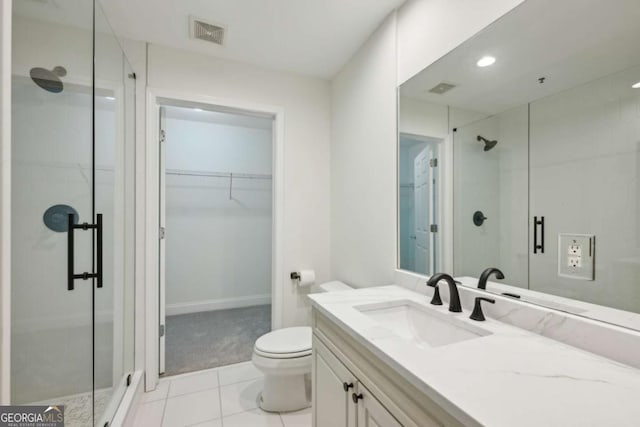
x=49, y=80
x=488, y=145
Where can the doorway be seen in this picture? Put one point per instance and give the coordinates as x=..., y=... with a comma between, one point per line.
x=216, y=224
x=419, y=203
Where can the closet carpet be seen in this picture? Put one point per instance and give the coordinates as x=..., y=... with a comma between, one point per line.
x=209, y=339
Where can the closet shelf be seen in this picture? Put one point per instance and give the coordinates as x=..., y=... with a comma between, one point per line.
x=231, y=175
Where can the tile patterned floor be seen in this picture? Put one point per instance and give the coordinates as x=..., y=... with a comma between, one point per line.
x=221, y=397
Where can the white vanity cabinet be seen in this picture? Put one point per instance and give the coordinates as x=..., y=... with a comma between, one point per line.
x=333, y=386
x=371, y=412
x=340, y=400
x=353, y=388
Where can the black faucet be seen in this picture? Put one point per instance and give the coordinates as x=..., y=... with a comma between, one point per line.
x=482, y=283
x=454, y=297
x=477, y=308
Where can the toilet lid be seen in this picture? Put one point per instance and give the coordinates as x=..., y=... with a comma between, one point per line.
x=285, y=341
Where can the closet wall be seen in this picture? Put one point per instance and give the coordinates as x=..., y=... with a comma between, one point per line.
x=218, y=229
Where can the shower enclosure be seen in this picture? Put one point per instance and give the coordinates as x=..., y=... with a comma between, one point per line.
x=72, y=163
x=564, y=171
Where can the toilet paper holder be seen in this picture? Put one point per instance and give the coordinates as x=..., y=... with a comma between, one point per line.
x=303, y=278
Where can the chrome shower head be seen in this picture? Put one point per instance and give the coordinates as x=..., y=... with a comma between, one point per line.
x=488, y=145
x=48, y=80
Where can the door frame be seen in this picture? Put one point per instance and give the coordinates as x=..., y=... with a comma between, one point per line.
x=157, y=97
x=444, y=247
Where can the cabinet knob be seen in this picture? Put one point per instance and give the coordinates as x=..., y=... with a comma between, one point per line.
x=356, y=397
x=347, y=386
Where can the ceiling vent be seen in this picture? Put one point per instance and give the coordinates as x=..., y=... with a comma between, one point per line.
x=208, y=32
x=442, y=88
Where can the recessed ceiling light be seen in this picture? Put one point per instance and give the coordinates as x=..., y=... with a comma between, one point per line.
x=636, y=86
x=197, y=109
x=485, y=61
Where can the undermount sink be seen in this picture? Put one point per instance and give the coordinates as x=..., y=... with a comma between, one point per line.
x=424, y=326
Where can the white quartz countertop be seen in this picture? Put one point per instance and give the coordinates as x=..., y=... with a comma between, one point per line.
x=611, y=315
x=512, y=377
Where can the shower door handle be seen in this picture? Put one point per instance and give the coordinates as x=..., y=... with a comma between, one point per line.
x=71, y=275
x=538, y=246
x=99, y=250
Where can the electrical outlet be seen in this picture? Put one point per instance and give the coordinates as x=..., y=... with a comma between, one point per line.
x=575, y=250
x=576, y=256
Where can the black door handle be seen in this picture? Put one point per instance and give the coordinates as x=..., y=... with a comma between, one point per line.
x=70, y=252
x=538, y=222
x=71, y=275
x=99, y=250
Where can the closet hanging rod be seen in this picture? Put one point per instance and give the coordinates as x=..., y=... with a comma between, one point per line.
x=218, y=174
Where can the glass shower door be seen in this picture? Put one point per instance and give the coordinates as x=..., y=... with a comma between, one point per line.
x=52, y=326
x=114, y=138
x=72, y=153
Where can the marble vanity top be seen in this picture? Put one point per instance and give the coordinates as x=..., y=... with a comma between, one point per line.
x=511, y=377
x=614, y=316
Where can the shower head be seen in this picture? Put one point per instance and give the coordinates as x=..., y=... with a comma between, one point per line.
x=488, y=145
x=48, y=80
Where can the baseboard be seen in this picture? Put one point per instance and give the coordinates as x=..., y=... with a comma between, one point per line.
x=217, y=304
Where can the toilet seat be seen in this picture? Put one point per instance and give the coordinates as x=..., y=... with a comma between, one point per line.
x=282, y=355
x=287, y=343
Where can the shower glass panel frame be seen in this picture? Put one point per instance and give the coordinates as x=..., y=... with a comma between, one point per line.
x=73, y=143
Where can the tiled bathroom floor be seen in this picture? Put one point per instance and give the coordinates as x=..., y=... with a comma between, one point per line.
x=225, y=396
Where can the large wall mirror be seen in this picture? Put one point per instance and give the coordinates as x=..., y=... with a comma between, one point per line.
x=530, y=134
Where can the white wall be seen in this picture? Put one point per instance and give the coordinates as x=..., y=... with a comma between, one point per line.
x=418, y=117
x=5, y=202
x=428, y=29
x=363, y=147
x=218, y=250
x=306, y=106
x=363, y=169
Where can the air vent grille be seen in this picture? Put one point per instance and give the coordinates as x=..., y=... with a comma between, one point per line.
x=207, y=32
x=442, y=88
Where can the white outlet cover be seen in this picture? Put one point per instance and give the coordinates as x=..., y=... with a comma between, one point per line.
x=575, y=250
x=576, y=256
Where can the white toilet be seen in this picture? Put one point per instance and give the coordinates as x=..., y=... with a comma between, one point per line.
x=284, y=357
